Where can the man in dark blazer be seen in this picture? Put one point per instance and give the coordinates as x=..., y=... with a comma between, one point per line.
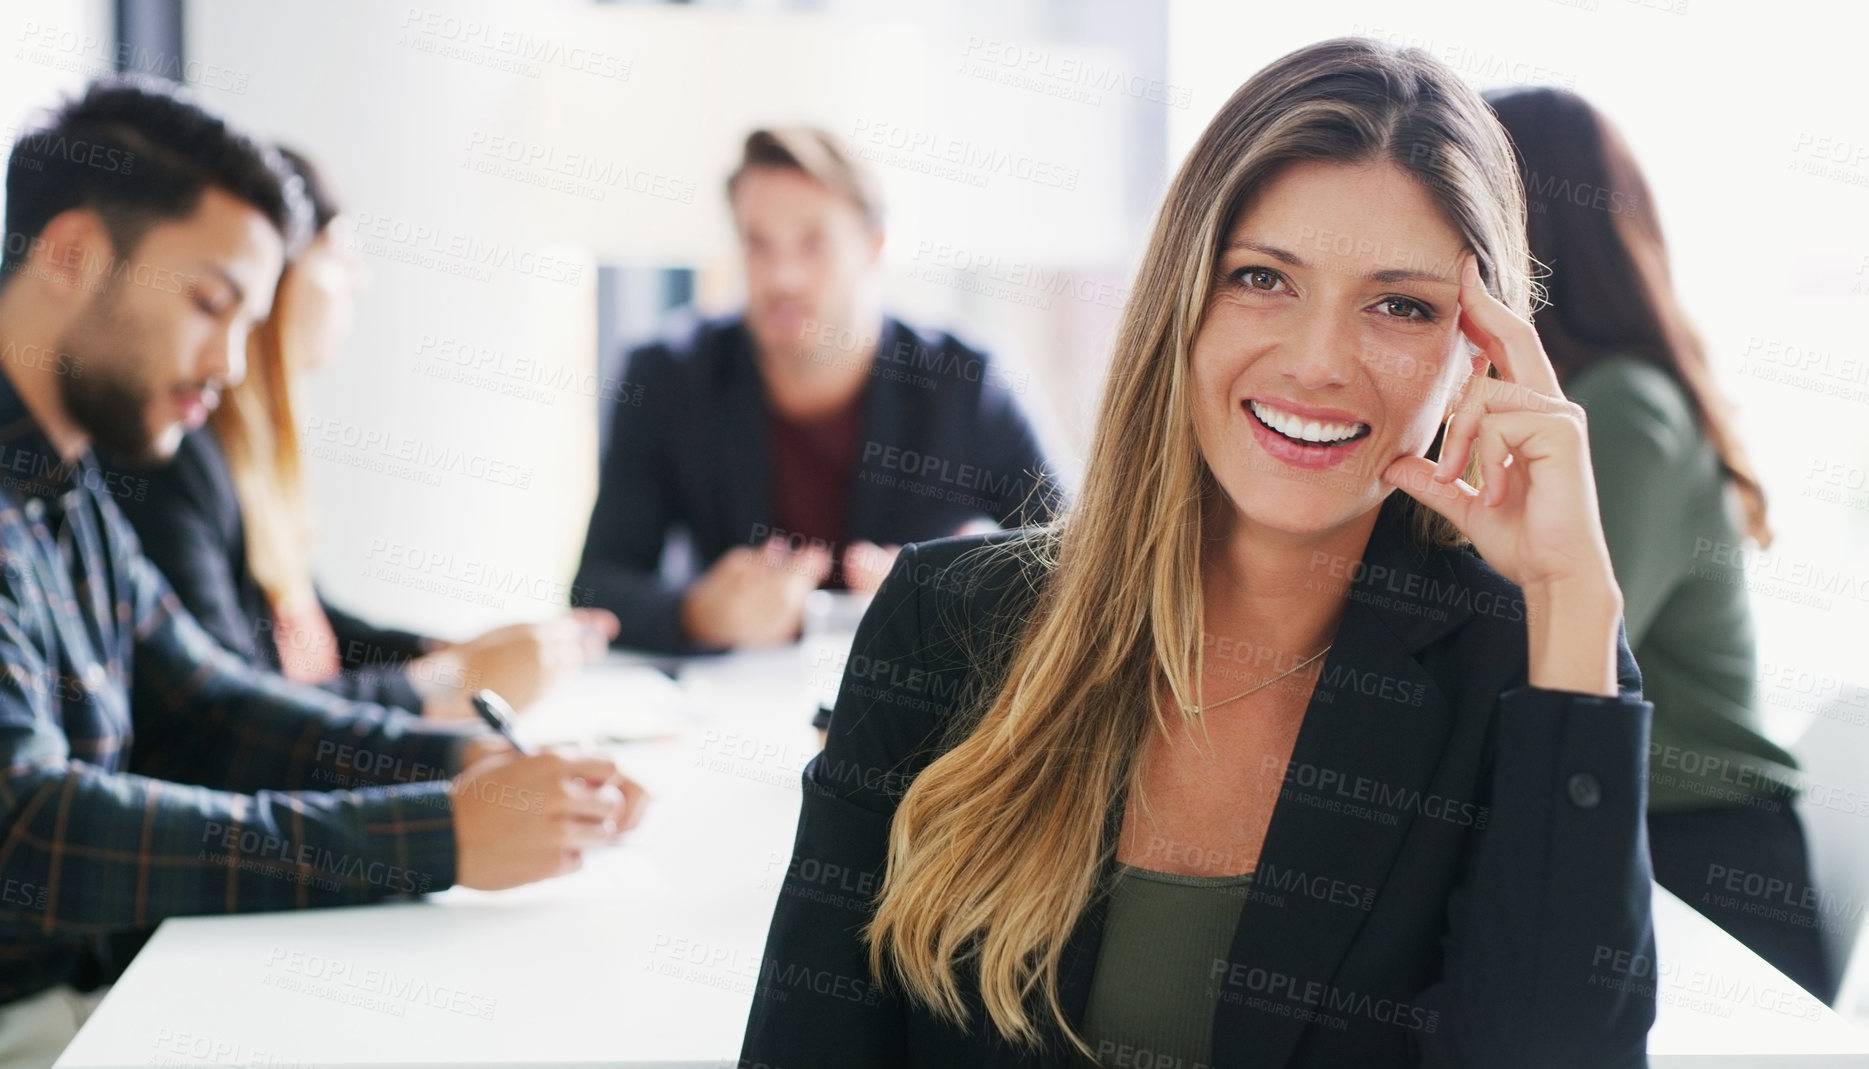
x=801, y=442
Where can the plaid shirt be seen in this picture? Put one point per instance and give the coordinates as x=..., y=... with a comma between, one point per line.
x=148, y=773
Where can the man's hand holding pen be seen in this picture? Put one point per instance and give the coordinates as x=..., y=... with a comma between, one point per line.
x=522, y=816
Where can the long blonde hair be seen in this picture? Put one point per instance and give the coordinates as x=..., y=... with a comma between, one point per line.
x=997, y=847
x=257, y=426
x=258, y=431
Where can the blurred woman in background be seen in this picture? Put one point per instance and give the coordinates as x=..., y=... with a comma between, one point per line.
x=1672, y=480
x=228, y=524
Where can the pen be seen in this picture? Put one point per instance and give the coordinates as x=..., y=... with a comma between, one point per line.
x=498, y=715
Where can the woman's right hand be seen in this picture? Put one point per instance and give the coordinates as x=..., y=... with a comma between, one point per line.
x=520, y=662
x=1536, y=520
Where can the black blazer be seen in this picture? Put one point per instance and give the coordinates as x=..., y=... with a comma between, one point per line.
x=1455, y=873
x=191, y=528
x=944, y=442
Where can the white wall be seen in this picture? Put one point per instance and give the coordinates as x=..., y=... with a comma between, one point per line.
x=424, y=484
x=48, y=50
x=410, y=106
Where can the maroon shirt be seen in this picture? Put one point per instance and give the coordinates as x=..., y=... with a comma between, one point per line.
x=814, y=466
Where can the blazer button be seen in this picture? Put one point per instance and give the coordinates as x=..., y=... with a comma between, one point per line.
x=1585, y=792
x=35, y=509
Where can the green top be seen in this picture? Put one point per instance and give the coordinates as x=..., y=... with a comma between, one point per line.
x=1153, y=991
x=1674, y=528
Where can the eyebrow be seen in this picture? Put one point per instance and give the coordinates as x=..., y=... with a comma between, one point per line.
x=1387, y=275
x=240, y=292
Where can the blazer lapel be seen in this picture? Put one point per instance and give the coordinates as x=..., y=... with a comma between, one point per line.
x=1372, y=738
x=1366, y=748
x=889, y=419
x=743, y=454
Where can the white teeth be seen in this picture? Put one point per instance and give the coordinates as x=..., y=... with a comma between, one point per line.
x=1306, y=430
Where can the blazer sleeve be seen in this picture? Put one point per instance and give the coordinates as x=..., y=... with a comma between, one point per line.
x=181, y=519
x=1554, y=902
x=816, y=1002
x=620, y=567
x=374, y=662
x=361, y=642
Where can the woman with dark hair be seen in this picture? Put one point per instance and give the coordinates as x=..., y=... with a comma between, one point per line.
x=1249, y=759
x=227, y=523
x=1676, y=490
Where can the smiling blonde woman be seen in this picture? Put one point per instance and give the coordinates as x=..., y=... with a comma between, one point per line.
x=1251, y=759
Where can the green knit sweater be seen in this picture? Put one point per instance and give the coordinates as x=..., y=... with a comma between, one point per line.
x=1153, y=997
x=1674, y=528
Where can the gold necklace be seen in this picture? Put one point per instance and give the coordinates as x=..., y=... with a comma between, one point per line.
x=1196, y=710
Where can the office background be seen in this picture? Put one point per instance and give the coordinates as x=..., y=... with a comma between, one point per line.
x=535, y=185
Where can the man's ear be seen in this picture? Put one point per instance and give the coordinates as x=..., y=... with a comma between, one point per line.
x=75, y=254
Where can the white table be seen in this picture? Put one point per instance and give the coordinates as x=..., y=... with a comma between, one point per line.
x=648, y=956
